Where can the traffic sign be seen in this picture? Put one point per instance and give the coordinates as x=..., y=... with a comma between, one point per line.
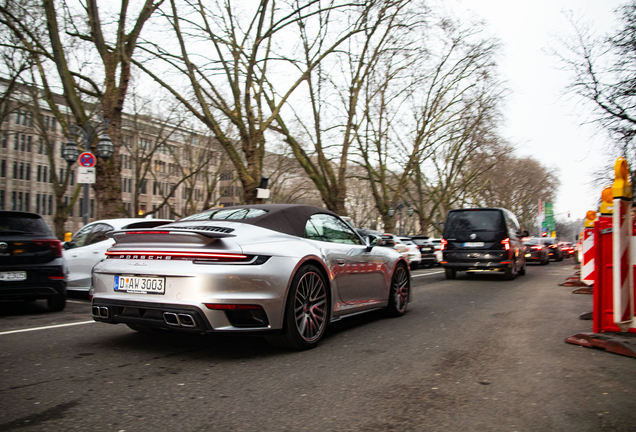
x=86, y=159
x=86, y=175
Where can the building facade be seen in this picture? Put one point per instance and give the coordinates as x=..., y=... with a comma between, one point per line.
x=167, y=172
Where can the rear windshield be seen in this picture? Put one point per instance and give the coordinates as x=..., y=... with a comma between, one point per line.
x=23, y=223
x=473, y=221
x=227, y=214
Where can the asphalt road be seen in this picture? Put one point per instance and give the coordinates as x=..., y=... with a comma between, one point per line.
x=473, y=354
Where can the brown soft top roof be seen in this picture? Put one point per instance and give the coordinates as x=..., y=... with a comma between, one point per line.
x=284, y=218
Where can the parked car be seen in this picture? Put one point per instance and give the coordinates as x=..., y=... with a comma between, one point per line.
x=536, y=251
x=31, y=262
x=483, y=239
x=391, y=240
x=281, y=271
x=554, y=249
x=414, y=254
x=89, y=245
x=437, y=242
x=427, y=250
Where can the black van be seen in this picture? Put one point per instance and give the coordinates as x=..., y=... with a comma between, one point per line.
x=483, y=239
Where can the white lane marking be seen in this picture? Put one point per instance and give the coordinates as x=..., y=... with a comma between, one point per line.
x=426, y=274
x=44, y=328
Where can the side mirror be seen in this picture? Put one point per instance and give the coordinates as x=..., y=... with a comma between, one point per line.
x=67, y=245
x=371, y=241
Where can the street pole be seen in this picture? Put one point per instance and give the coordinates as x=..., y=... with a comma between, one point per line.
x=85, y=137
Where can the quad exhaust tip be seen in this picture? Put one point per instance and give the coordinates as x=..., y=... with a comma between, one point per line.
x=179, y=320
x=101, y=312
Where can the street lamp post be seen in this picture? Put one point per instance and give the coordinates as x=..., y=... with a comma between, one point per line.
x=86, y=136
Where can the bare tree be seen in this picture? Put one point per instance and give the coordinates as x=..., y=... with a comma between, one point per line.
x=603, y=74
x=517, y=184
x=227, y=54
x=336, y=89
x=107, y=58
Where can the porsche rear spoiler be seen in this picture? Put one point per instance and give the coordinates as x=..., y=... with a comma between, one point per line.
x=172, y=234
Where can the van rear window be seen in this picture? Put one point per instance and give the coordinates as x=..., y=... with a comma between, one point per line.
x=473, y=220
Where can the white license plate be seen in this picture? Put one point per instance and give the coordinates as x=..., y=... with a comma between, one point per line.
x=13, y=276
x=140, y=284
x=474, y=244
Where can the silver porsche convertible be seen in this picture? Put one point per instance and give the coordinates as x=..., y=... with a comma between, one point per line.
x=283, y=271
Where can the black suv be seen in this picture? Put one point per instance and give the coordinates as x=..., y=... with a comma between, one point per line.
x=483, y=239
x=31, y=263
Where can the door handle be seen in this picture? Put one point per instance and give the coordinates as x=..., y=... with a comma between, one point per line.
x=340, y=262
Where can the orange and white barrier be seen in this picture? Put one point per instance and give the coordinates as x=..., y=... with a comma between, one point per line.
x=587, y=264
x=623, y=270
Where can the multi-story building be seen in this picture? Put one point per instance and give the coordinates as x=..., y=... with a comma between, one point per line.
x=154, y=157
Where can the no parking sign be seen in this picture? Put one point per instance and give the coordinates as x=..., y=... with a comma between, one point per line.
x=86, y=160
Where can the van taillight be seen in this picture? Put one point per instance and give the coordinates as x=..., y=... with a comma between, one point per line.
x=506, y=243
x=444, y=243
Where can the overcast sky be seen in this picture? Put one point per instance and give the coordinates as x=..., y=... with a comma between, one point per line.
x=540, y=120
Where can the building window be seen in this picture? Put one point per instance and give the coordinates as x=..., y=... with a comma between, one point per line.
x=22, y=142
x=14, y=200
x=28, y=148
x=45, y=170
x=17, y=117
x=72, y=177
x=28, y=171
x=21, y=170
x=3, y=168
x=15, y=169
x=37, y=203
x=3, y=140
x=43, y=204
x=143, y=186
x=27, y=198
x=20, y=201
x=50, y=205
x=1, y=199
x=16, y=142
x=53, y=123
x=39, y=173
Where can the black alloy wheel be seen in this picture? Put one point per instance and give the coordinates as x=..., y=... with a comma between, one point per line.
x=399, y=294
x=306, y=311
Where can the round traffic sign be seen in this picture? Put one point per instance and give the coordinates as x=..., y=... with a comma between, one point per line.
x=86, y=159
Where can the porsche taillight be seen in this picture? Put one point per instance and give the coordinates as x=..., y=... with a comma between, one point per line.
x=444, y=242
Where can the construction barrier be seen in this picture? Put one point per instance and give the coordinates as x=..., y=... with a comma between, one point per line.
x=614, y=326
x=587, y=266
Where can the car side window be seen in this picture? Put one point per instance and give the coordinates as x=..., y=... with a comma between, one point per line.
x=98, y=233
x=80, y=237
x=331, y=229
